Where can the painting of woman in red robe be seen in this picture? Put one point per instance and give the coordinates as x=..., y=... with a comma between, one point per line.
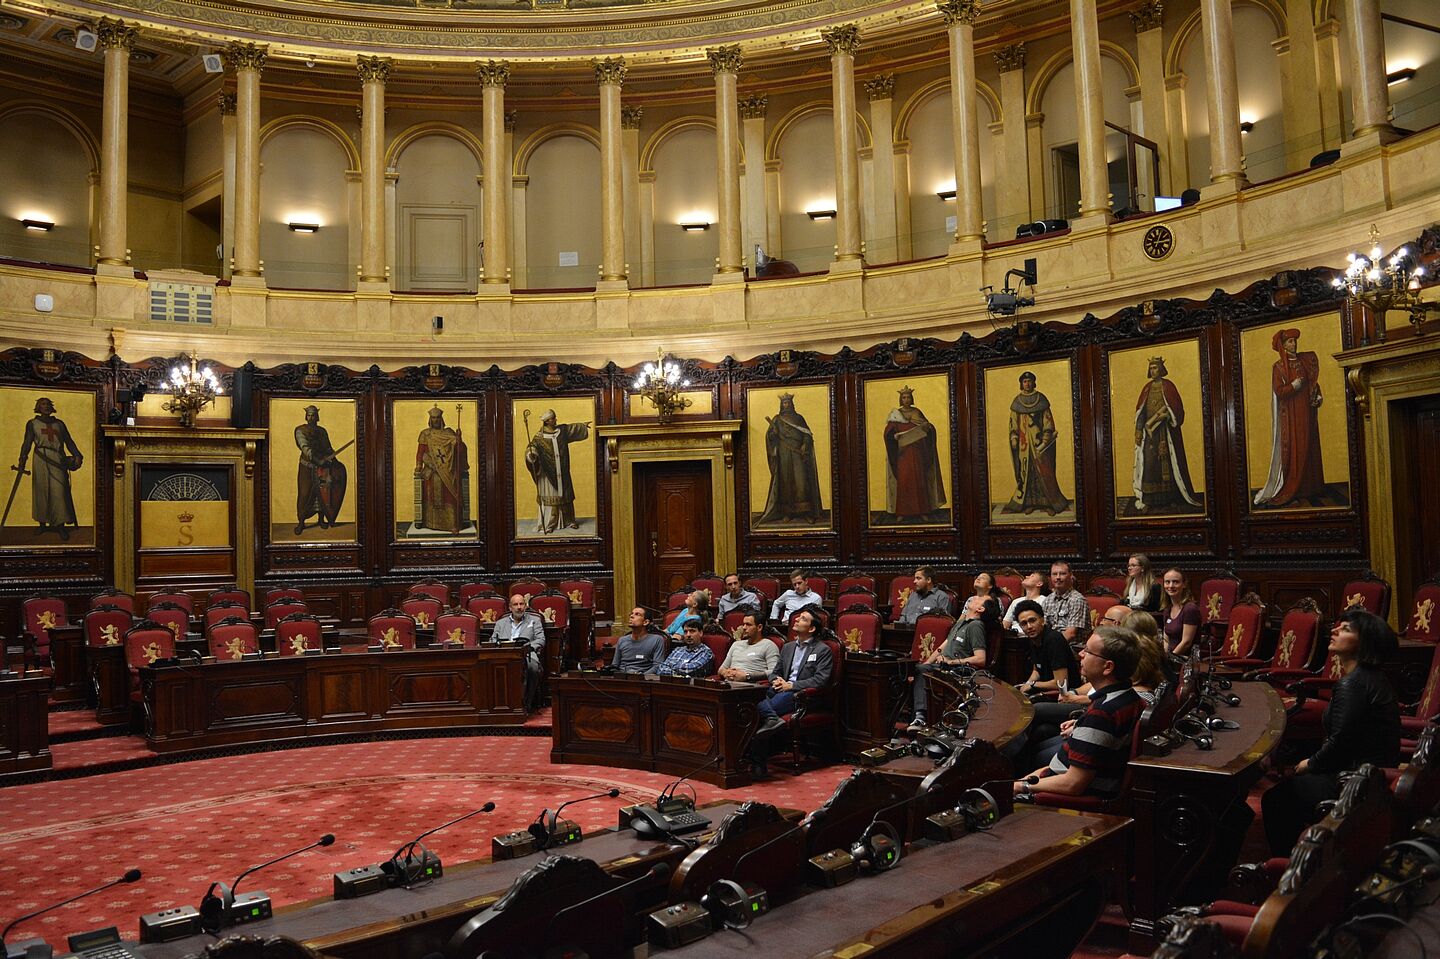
x=914, y=484
x=1296, y=476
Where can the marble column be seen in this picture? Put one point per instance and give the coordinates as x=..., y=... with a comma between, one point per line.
x=881, y=247
x=639, y=199
x=1150, y=50
x=1369, y=92
x=226, y=107
x=1089, y=110
x=752, y=117
x=610, y=75
x=1301, y=111
x=496, y=227
x=374, y=72
x=515, y=225
x=842, y=42
x=1222, y=101
x=960, y=17
x=1328, y=83
x=116, y=39
x=1012, y=204
x=247, y=60
x=725, y=63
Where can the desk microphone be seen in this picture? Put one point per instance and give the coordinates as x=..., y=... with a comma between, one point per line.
x=405, y=868
x=668, y=793
x=547, y=826
x=221, y=908
x=132, y=875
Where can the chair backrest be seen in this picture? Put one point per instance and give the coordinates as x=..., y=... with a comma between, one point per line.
x=1424, y=621
x=1429, y=704
x=172, y=616
x=1242, y=635
x=1008, y=578
x=42, y=614
x=581, y=593
x=469, y=591
x=719, y=644
x=766, y=587
x=837, y=671
x=223, y=610
x=456, y=624
x=858, y=629
x=854, y=596
x=1100, y=600
x=820, y=586
x=553, y=607
x=281, y=608
x=730, y=622
x=1111, y=580
x=671, y=615
x=182, y=599
x=432, y=588
x=709, y=580
x=489, y=607
x=424, y=609
x=856, y=578
x=1368, y=592
x=114, y=597
x=276, y=593
x=146, y=642
x=930, y=632
x=676, y=599
x=232, y=638
x=392, y=629
x=1217, y=597
x=107, y=625
x=900, y=587
x=1298, y=632
x=995, y=639
x=230, y=594
x=296, y=633
x=528, y=586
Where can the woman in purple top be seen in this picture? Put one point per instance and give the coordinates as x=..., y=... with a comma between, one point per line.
x=1180, y=614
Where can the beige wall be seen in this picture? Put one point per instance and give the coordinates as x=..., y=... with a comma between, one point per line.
x=684, y=167
x=303, y=179
x=563, y=213
x=807, y=181
x=48, y=180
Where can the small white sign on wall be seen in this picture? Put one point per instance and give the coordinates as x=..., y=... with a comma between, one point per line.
x=949, y=224
x=569, y=258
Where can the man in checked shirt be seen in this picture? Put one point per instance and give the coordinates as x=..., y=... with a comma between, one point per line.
x=691, y=658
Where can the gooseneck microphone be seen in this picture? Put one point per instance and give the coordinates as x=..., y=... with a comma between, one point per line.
x=326, y=840
x=546, y=827
x=131, y=875
x=221, y=908
x=406, y=868
x=488, y=807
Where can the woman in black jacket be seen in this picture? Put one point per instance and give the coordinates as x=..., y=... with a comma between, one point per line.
x=1362, y=725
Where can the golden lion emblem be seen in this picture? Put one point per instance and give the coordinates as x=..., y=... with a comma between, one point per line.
x=235, y=647
x=1422, y=615
x=1212, y=607
x=390, y=639
x=1287, y=647
x=46, y=619
x=576, y=596
x=1237, y=633
x=852, y=639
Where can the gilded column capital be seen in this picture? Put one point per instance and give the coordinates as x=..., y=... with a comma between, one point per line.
x=1147, y=16
x=512, y=117
x=1010, y=57
x=842, y=39
x=630, y=117
x=226, y=104
x=881, y=86
x=493, y=73
x=753, y=106
x=610, y=70
x=955, y=12
x=247, y=56
x=373, y=69
x=727, y=59
x=115, y=34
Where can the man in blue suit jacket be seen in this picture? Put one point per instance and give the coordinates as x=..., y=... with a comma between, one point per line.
x=805, y=663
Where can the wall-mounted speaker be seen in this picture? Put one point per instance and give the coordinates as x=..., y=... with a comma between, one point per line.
x=86, y=39
x=240, y=397
x=213, y=63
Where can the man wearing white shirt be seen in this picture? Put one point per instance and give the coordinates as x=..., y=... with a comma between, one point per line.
x=797, y=597
x=734, y=596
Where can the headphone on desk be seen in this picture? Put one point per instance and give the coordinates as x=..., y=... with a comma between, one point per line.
x=1194, y=730
x=879, y=848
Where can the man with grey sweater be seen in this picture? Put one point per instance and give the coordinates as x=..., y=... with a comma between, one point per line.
x=752, y=657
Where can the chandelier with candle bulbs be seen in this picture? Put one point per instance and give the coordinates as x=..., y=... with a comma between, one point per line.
x=192, y=388
x=1382, y=285
x=660, y=383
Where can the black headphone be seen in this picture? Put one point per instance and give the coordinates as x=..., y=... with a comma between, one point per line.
x=218, y=900
x=879, y=848
x=979, y=808
x=407, y=867
x=732, y=905
x=1194, y=730
x=1217, y=722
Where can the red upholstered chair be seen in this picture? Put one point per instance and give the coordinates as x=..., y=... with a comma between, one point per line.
x=671, y=615
x=424, y=609
x=146, y=642
x=1242, y=637
x=277, y=593
x=527, y=587
x=854, y=596
x=41, y=614
x=469, y=591
x=298, y=632
x=900, y=588
x=1008, y=578
x=581, y=593
x=553, y=607
x=1216, y=597
x=1100, y=599
x=172, y=616
x=856, y=578
x=930, y=631
x=232, y=638
x=455, y=625
x=816, y=714
x=719, y=641
x=1426, y=710
x=433, y=588
x=224, y=610
x=1299, y=632
x=391, y=629
x=1368, y=592
x=488, y=606
x=995, y=638
x=230, y=594
x=281, y=608
x=178, y=597
x=1423, y=623
x=107, y=625
x=820, y=586
x=114, y=597
x=1112, y=580
x=676, y=600
x=711, y=581
x=858, y=629
x=766, y=587
x=730, y=622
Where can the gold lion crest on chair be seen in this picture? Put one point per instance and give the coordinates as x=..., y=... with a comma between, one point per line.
x=390, y=639
x=1212, y=607
x=298, y=645
x=1422, y=615
x=852, y=639
x=46, y=619
x=235, y=648
x=111, y=635
x=1357, y=601
x=151, y=652
x=927, y=645
x=1287, y=646
x=1237, y=633
x=456, y=635
x=575, y=597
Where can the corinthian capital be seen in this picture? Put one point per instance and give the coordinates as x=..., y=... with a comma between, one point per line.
x=1010, y=57
x=881, y=86
x=226, y=104
x=958, y=11
x=512, y=117
x=725, y=59
x=373, y=69
x=115, y=34
x=493, y=73
x=610, y=70
x=246, y=56
x=630, y=117
x=1147, y=16
x=842, y=39
x=752, y=107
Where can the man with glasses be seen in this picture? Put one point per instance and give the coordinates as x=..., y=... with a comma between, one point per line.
x=1092, y=760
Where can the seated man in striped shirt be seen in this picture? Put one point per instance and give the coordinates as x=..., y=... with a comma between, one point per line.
x=1092, y=761
x=691, y=657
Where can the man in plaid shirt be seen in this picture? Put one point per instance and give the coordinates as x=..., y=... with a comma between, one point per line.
x=1097, y=746
x=1065, y=609
x=691, y=657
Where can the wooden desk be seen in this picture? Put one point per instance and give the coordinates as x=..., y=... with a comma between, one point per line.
x=222, y=703
x=24, y=723
x=871, y=689
x=1002, y=723
x=1028, y=888
x=663, y=724
x=71, y=673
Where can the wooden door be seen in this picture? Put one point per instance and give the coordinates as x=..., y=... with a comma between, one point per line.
x=674, y=539
x=1417, y=470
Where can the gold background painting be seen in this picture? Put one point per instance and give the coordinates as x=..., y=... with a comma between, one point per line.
x=408, y=418
x=338, y=419
x=77, y=410
x=1129, y=374
x=1319, y=335
x=932, y=397
x=811, y=402
x=582, y=463
x=702, y=402
x=1002, y=385
x=152, y=406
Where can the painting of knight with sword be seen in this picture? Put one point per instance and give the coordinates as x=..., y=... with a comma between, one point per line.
x=55, y=457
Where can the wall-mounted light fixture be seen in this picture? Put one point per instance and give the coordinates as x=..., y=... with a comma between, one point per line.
x=41, y=226
x=946, y=194
x=304, y=227
x=1400, y=76
x=820, y=214
x=1246, y=126
x=695, y=227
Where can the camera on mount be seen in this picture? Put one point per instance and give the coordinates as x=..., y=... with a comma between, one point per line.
x=1008, y=300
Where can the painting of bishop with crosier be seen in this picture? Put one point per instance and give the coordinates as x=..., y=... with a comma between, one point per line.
x=787, y=436
x=48, y=443
x=554, y=468
x=907, y=433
